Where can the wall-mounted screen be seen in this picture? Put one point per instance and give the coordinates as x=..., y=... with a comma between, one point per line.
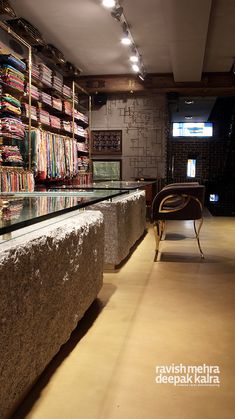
x=106, y=170
x=192, y=129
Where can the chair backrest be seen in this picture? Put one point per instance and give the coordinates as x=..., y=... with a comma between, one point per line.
x=179, y=202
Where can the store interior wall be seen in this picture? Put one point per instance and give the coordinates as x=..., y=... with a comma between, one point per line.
x=143, y=120
x=215, y=162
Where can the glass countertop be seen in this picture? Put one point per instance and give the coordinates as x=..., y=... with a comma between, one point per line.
x=22, y=209
x=113, y=184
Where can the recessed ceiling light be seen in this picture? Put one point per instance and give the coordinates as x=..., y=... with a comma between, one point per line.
x=189, y=101
x=136, y=68
x=108, y=3
x=188, y=117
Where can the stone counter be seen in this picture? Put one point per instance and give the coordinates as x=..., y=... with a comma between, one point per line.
x=49, y=276
x=125, y=223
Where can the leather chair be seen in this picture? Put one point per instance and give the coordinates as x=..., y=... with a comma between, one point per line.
x=181, y=201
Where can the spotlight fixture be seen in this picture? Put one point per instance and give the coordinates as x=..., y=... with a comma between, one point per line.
x=189, y=101
x=125, y=39
x=109, y=3
x=136, y=68
x=134, y=58
x=117, y=13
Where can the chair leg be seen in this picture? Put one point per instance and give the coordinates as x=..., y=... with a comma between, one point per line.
x=157, y=234
x=162, y=228
x=197, y=232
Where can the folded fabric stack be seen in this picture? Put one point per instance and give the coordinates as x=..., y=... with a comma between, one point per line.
x=12, y=77
x=25, y=108
x=80, y=116
x=66, y=125
x=57, y=103
x=35, y=93
x=67, y=91
x=45, y=74
x=83, y=163
x=9, y=105
x=76, y=99
x=45, y=98
x=13, y=210
x=35, y=71
x=11, y=155
x=43, y=116
x=67, y=107
x=12, y=61
x=82, y=147
x=79, y=130
x=55, y=122
x=12, y=128
x=57, y=83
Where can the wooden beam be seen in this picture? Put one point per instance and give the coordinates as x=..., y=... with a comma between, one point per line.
x=211, y=84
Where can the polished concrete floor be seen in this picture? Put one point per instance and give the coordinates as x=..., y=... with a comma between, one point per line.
x=180, y=310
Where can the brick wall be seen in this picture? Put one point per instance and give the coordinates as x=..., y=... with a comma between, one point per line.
x=209, y=154
x=143, y=120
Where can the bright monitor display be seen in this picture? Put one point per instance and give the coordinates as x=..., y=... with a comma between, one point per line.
x=192, y=129
x=191, y=168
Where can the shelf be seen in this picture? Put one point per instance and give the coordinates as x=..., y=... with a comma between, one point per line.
x=47, y=127
x=56, y=112
x=81, y=172
x=106, y=153
x=81, y=123
x=8, y=168
x=84, y=152
x=48, y=89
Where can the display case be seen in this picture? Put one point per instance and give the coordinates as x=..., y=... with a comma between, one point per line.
x=124, y=185
x=18, y=210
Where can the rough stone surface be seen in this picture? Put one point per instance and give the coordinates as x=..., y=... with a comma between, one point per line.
x=125, y=222
x=48, y=279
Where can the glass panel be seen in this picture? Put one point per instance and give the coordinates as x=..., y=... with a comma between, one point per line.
x=22, y=209
x=113, y=184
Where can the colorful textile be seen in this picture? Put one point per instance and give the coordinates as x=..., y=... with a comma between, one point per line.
x=12, y=77
x=80, y=116
x=57, y=83
x=12, y=128
x=57, y=103
x=67, y=107
x=25, y=108
x=67, y=91
x=11, y=155
x=16, y=180
x=45, y=74
x=13, y=61
x=54, y=156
